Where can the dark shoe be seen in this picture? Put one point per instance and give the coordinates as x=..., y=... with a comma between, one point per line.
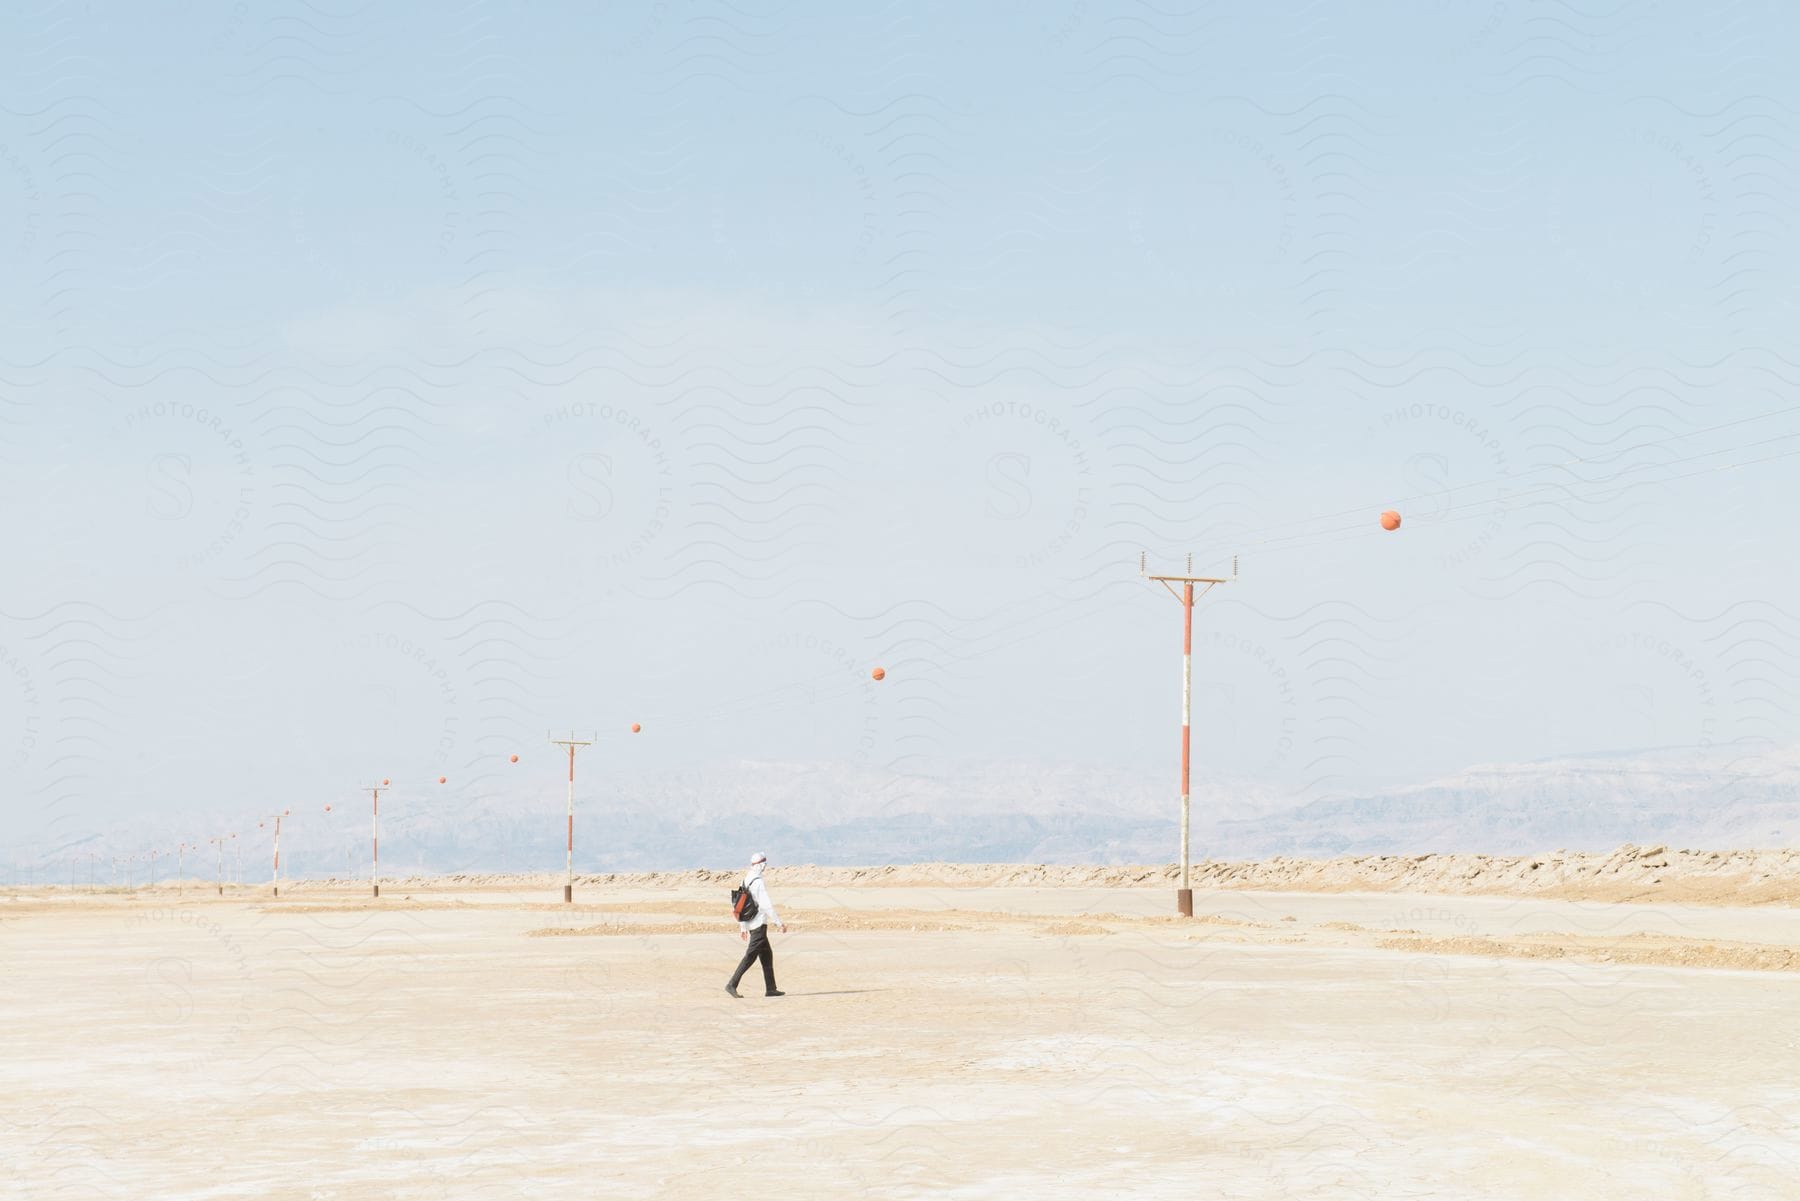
x=732, y=989
x=775, y=993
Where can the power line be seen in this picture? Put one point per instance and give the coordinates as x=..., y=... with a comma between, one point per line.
x=1573, y=490
x=1599, y=458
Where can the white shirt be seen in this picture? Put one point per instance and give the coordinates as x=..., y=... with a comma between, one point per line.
x=759, y=892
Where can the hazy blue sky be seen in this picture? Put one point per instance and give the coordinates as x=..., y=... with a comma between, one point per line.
x=381, y=384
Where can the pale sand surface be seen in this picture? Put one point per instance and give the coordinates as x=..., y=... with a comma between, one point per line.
x=938, y=1041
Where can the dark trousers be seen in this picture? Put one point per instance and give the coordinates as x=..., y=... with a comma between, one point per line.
x=759, y=948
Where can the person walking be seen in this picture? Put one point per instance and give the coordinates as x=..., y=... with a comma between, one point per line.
x=756, y=931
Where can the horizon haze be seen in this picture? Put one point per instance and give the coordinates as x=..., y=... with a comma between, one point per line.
x=382, y=389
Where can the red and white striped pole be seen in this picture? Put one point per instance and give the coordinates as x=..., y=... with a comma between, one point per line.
x=569, y=850
x=569, y=861
x=1184, y=895
x=375, y=836
x=1184, y=899
x=328, y=810
x=276, y=883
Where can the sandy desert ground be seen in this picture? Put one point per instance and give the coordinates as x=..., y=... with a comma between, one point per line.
x=949, y=1032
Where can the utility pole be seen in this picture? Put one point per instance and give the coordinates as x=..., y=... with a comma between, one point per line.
x=1184, y=898
x=375, y=835
x=220, y=843
x=346, y=857
x=277, y=820
x=571, y=742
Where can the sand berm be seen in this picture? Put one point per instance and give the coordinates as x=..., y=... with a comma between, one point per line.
x=1630, y=873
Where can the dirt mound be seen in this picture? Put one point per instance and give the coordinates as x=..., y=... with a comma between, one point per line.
x=1645, y=949
x=1630, y=873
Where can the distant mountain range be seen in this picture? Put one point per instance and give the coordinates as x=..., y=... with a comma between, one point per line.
x=1579, y=803
x=1004, y=812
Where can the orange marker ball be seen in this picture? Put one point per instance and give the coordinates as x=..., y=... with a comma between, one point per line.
x=441, y=779
x=384, y=783
x=515, y=758
x=1390, y=520
x=880, y=673
x=635, y=728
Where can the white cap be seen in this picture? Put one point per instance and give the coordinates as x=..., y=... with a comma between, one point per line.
x=759, y=857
